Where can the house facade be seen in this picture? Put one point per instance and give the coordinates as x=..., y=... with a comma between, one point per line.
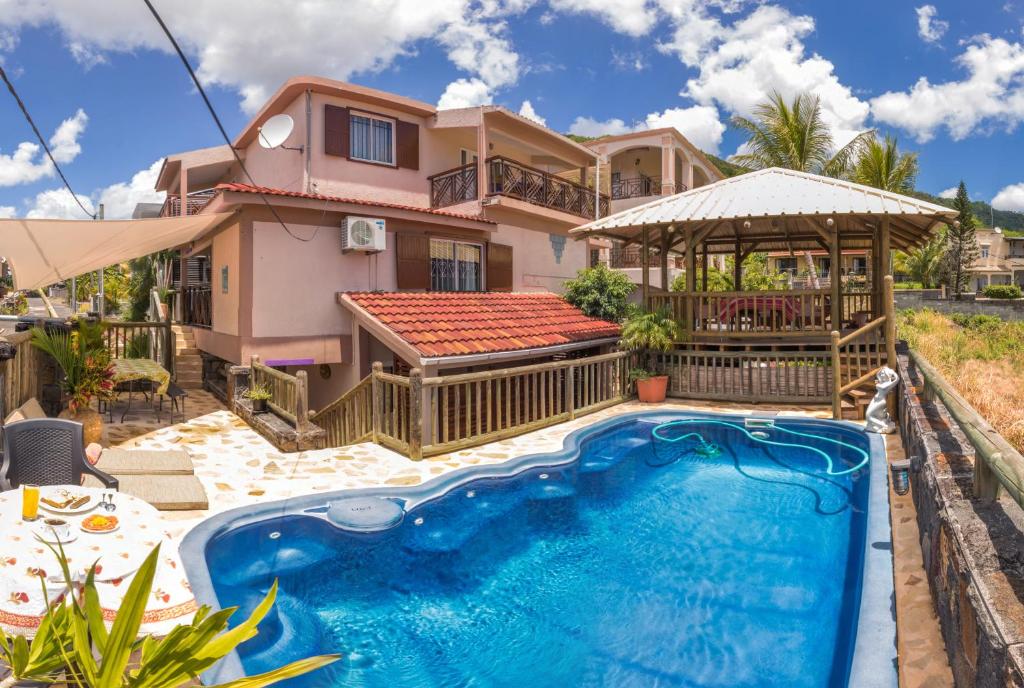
x=1000, y=260
x=854, y=265
x=446, y=202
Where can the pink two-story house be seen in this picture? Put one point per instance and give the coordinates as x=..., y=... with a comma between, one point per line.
x=376, y=193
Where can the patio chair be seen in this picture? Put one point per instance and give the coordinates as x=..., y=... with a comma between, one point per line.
x=47, y=451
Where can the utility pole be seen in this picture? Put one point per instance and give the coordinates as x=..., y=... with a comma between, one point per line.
x=100, y=301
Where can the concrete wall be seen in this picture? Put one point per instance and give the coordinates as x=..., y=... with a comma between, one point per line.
x=1007, y=309
x=972, y=550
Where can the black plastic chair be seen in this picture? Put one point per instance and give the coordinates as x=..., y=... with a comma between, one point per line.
x=46, y=451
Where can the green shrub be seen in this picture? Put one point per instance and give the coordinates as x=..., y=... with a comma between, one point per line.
x=908, y=285
x=600, y=292
x=138, y=347
x=1001, y=291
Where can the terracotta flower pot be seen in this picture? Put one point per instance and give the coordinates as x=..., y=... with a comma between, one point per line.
x=92, y=423
x=653, y=389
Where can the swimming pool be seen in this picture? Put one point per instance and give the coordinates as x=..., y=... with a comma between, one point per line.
x=654, y=550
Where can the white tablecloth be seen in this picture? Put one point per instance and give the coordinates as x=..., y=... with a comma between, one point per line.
x=25, y=562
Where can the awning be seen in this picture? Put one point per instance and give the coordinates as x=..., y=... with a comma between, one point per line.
x=42, y=252
x=780, y=210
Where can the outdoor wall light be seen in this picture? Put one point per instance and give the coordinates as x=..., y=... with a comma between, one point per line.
x=900, y=476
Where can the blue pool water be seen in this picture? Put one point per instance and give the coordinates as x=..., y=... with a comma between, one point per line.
x=718, y=560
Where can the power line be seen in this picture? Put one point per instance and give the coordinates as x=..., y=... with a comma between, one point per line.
x=42, y=141
x=216, y=119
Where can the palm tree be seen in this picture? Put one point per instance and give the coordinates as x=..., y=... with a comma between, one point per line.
x=881, y=165
x=924, y=264
x=794, y=136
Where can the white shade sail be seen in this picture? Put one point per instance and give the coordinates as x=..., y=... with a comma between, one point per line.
x=42, y=252
x=780, y=208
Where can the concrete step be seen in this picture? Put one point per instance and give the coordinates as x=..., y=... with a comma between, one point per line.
x=188, y=366
x=186, y=351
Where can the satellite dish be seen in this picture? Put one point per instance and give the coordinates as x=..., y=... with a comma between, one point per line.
x=276, y=130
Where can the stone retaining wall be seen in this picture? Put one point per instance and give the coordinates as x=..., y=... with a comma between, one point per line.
x=973, y=552
x=1007, y=309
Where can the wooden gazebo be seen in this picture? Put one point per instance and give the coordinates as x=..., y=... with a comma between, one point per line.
x=813, y=345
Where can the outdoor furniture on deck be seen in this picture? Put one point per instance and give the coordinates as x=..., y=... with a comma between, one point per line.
x=164, y=479
x=138, y=374
x=47, y=451
x=177, y=396
x=118, y=556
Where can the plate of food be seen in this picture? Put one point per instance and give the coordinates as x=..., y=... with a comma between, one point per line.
x=62, y=500
x=99, y=524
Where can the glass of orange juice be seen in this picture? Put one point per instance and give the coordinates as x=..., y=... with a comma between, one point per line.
x=29, y=502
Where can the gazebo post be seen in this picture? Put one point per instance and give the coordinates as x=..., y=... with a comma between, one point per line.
x=836, y=280
x=691, y=278
x=645, y=266
x=737, y=268
x=704, y=266
x=663, y=259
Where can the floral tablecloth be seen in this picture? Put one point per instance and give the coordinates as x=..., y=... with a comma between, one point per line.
x=128, y=369
x=25, y=563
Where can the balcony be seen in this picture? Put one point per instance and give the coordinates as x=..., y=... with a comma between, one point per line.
x=506, y=177
x=640, y=186
x=195, y=202
x=197, y=306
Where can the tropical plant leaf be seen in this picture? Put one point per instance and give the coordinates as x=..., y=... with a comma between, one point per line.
x=126, y=626
x=269, y=678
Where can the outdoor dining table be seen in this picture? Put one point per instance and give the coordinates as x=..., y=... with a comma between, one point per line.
x=26, y=563
x=132, y=369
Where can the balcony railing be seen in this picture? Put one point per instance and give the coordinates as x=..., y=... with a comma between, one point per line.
x=197, y=306
x=453, y=186
x=624, y=258
x=195, y=202
x=638, y=187
x=506, y=177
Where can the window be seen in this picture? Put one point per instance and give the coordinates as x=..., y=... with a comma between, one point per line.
x=372, y=139
x=787, y=265
x=984, y=250
x=455, y=266
x=860, y=266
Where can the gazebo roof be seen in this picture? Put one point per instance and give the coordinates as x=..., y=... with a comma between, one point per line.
x=778, y=209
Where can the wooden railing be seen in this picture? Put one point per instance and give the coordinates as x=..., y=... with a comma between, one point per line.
x=476, y=408
x=289, y=394
x=195, y=202
x=855, y=302
x=858, y=356
x=740, y=314
x=197, y=306
x=506, y=177
x=396, y=411
x=348, y=419
x=750, y=376
x=453, y=186
x=19, y=371
x=153, y=340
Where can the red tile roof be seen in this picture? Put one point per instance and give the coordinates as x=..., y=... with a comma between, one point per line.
x=461, y=323
x=248, y=188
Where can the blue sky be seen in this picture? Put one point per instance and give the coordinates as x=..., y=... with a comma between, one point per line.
x=946, y=77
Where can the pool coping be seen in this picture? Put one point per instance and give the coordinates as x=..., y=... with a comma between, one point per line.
x=873, y=664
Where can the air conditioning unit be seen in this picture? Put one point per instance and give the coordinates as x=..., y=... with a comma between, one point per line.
x=363, y=234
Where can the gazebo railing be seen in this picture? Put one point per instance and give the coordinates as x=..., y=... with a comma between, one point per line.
x=749, y=313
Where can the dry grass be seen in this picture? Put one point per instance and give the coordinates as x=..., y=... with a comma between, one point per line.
x=981, y=356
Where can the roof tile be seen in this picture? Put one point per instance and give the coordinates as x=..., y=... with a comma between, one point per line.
x=453, y=323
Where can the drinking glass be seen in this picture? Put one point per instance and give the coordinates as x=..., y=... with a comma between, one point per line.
x=29, y=502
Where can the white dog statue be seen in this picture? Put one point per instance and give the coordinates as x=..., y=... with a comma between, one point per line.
x=877, y=415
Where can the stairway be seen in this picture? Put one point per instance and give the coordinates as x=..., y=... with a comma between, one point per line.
x=188, y=364
x=855, y=402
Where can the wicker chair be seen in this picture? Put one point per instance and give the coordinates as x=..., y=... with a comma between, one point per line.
x=46, y=451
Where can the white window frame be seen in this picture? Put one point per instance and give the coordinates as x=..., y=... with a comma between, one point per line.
x=985, y=250
x=393, y=123
x=483, y=263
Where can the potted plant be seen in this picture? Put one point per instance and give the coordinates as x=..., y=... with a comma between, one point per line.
x=81, y=653
x=88, y=374
x=259, y=395
x=649, y=332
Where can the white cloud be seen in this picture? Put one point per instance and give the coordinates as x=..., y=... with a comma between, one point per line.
x=588, y=126
x=700, y=124
x=238, y=44
x=119, y=199
x=628, y=61
x=740, y=64
x=58, y=204
x=28, y=163
x=631, y=17
x=948, y=193
x=527, y=111
x=990, y=96
x=465, y=93
x=1010, y=198
x=7, y=211
x=930, y=29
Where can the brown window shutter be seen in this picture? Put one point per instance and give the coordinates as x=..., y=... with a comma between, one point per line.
x=413, y=267
x=499, y=267
x=335, y=130
x=408, y=144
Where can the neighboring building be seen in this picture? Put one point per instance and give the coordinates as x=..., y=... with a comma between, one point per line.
x=855, y=264
x=637, y=168
x=469, y=200
x=1000, y=260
